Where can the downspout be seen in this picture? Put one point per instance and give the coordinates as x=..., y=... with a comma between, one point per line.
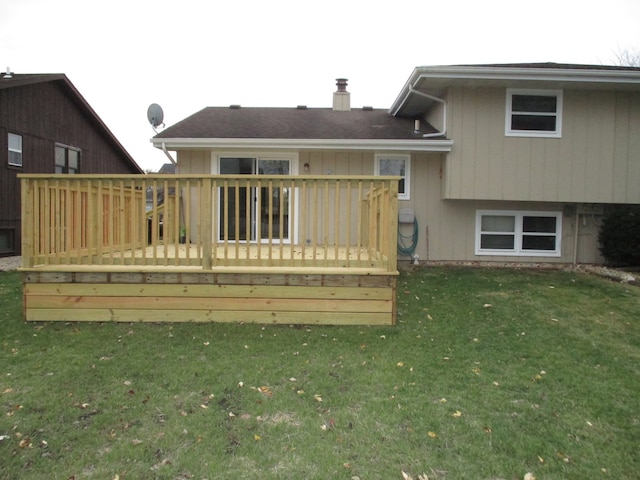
x=443, y=133
x=164, y=149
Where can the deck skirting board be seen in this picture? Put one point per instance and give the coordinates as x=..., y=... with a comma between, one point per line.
x=210, y=297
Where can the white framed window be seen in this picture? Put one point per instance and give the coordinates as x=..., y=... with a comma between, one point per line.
x=15, y=149
x=521, y=233
x=397, y=165
x=534, y=113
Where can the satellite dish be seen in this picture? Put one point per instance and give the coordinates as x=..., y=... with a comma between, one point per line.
x=155, y=115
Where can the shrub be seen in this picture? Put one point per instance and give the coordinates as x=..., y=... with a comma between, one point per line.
x=619, y=236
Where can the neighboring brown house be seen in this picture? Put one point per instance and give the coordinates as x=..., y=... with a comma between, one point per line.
x=46, y=126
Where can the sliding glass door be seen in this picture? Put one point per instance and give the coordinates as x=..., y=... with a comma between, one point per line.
x=267, y=207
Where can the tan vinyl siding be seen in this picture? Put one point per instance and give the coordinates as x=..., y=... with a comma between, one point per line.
x=446, y=227
x=596, y=160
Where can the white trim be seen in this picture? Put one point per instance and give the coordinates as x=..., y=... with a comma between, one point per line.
x=308, y=144
x=406, y=195
x=557, y=133
x=518, y=233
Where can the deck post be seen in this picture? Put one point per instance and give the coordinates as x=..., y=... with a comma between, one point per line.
x=27, y=222
x=206, y=210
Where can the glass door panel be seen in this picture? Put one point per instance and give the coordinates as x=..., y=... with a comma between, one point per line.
x=274, y=199
x=236, y=203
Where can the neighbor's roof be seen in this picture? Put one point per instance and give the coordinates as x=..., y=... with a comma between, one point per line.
x=19, y=80
x=434, y=80
x=298, y=127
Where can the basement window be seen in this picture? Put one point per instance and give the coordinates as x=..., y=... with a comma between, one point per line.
x=518, y=233
x=395, y=165
x=534, y=113
x=15, y=150
x=7, y=240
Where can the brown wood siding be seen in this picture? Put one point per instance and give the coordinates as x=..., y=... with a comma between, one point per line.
x=45, y=114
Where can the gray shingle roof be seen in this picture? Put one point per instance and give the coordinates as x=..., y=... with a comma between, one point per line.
x=295, y=123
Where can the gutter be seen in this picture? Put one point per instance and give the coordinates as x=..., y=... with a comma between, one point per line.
x=425, y=145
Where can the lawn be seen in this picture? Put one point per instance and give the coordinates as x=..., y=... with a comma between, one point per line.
x=489, y=374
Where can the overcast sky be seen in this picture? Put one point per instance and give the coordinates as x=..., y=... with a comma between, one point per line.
x=186, y=55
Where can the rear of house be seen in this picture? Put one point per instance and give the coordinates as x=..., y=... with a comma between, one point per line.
x=292, y=215
x=498, y=163
x=46, y=126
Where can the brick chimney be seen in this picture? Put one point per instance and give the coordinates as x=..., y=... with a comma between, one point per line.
x=341, y=98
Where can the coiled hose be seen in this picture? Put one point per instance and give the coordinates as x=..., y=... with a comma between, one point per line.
x=407, y=243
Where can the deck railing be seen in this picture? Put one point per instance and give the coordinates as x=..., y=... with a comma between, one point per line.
x=210, y=221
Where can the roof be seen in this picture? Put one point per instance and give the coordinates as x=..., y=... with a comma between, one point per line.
x=435, y=80
x=19, y=80
x=298, y=127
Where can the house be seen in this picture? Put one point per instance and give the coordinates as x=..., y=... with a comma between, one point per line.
x=299, y=215
x=499, y=163
x=46, y=126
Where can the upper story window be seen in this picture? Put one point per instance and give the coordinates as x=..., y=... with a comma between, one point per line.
x=397, y=165
x=518, y=233
x=534, y=113
x=15, y=149
x=67, y=159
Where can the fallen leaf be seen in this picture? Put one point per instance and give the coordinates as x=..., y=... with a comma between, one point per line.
x=256, y=437
x=265, y=391
x=135, y=441
x=529, y=476
x=317, y=398
x=432, y=434
x=400, y=364
x=406, y=476
x=25, y=442
x=457, y=413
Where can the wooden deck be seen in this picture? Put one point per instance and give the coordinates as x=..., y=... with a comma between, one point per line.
x=92, y=250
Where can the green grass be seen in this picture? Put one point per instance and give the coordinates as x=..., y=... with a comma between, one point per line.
x=490, y=374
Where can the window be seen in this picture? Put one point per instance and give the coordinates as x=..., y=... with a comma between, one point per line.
x=518, y=233
x=15, y=149
x=397, y=165
x=7, y=240
x=534, y=113
x=67, y=159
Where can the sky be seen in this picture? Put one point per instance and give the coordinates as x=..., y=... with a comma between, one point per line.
x=123, y=55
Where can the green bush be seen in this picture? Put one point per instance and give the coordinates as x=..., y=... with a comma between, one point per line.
x=619, y=236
